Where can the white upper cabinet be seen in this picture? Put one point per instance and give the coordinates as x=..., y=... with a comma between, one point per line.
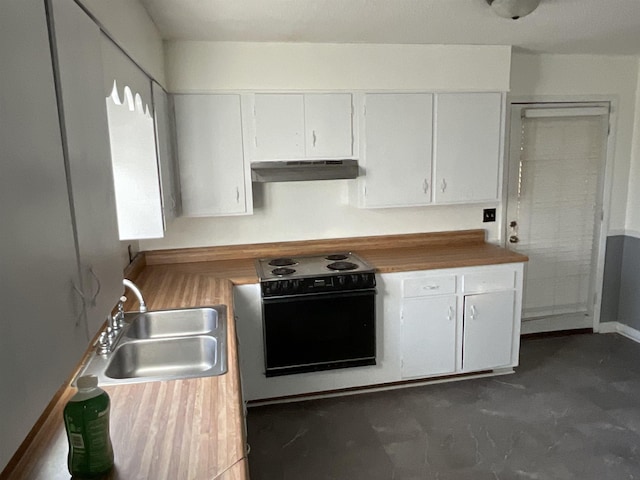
x=328, y=125
x=397, y=149
x=298, y=126
x=88, y=154
x=167, y=165
x=467, y=147
x=132, y=138
x=213, y=177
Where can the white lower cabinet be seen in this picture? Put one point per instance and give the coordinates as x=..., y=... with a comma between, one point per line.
x=488, y=330
x=428, y=339
x=429, y=324
x=460, y=320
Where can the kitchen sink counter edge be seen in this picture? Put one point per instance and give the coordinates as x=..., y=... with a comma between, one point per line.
x=194, y=428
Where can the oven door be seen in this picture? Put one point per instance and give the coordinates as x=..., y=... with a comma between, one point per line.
x=305, y=333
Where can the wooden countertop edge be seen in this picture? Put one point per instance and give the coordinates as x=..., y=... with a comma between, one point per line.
x=309, y=247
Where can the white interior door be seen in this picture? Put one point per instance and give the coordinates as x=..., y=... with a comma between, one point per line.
x=555, y=209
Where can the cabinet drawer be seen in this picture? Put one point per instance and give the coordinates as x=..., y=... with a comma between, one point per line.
x=421, y=287
x=488, y=281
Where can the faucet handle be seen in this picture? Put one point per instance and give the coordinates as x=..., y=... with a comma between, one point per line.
x=104, y=345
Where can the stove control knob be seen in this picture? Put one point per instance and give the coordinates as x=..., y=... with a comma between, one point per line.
x=342, y=280
x=286, y=285
x=296, y=285
x=355, y=279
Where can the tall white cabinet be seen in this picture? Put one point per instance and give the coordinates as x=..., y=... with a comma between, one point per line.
x=51, y=247
x=87, y=143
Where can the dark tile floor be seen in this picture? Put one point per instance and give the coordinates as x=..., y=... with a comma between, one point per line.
x=571, y=411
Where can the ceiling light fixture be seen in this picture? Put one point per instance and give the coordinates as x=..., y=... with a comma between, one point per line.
x=513, y=9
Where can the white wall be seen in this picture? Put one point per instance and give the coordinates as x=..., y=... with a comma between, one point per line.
x=209, y=66
x=567, y=76
x=633, y=200
x=129, y=24
x=310, y=210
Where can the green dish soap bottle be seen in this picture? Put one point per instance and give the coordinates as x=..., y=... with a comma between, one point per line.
x=86, y=419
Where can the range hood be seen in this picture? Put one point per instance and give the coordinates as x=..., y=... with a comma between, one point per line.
x=298, y=170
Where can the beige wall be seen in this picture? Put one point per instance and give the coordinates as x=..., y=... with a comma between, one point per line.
x=570, y=76
x=128, y=22
x=308, y=210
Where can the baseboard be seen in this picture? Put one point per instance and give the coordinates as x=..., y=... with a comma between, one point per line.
x=621, y=328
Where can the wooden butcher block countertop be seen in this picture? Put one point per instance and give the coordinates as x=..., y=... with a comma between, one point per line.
x=194, y=428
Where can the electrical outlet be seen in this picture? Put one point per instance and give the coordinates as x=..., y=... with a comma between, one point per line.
x=489, y=215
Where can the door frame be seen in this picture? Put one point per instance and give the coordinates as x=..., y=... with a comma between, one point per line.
x=607, y=181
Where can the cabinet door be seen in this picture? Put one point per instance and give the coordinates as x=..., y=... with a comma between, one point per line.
x=397, y=149
x=210, y=154
x=279, y=123
x=488, y=330
x=467, y=146
x=428, y=339
x=78, y=44
x=41, y=338
x=163, y=114
x=328, y=125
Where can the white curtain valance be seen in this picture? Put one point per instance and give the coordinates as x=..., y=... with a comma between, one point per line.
x=124, y=81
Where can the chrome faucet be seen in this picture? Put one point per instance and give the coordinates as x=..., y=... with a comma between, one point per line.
x=132, y=286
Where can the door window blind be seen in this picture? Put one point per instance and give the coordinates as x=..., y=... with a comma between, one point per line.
x=558, y=191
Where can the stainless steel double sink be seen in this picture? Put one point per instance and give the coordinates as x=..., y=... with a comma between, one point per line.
x=165, y=345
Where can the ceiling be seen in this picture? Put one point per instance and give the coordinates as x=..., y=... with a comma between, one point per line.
x=610, y=27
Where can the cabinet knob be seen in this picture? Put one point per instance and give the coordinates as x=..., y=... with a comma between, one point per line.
x=443, y=185
x=514, y=239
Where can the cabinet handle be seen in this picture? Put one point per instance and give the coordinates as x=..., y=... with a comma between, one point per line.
x=237, y=195
x=431, y=287
x=95, y=295
x=425, y=186
x=473, y=312
x=313, y=134
x=443, y=185
x=450, y=313
x=84, y=301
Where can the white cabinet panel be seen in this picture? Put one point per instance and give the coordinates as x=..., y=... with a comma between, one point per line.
x=78, y=45
x=328, y=125
x=467, y=146
x=397, y=149
x=428, y=340
x=298, y=126
x=488, y=330
x=167, y=165
x=279, y=123
x=210, y=154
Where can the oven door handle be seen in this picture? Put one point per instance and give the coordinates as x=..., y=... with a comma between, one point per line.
x=303, y=296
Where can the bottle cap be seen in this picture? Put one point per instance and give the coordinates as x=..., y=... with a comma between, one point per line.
x=87, y=381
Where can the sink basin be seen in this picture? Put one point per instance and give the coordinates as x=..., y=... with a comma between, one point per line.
x=165, y=345
x=173, y=357
x=172, y=323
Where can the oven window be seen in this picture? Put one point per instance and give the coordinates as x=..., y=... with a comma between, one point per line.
x=318, y=330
